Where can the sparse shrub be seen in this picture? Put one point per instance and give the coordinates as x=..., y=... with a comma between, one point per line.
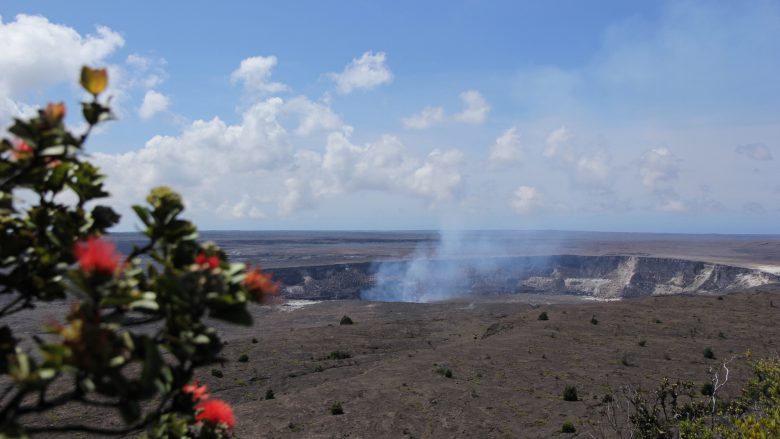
x=570, y=393
x=708, y=353
x=642, y=343
x=319, y=368
x=568, y=427
x=336, y=408
x=543, y=316
x=626, y=360
x=444, y=371
x=607, y=398
x=337, y=355
x=217, y=373
x=346, y=320
x=244, y=358
x=295, y=428
x=254, y=340
x=657, y=321
x=593, y=321
x=707, y=389
x=269, y=394
x=721, y=335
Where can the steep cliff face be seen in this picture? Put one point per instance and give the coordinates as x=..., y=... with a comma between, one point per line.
x=604, y=277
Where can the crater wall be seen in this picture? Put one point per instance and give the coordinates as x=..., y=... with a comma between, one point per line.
x=603, y=277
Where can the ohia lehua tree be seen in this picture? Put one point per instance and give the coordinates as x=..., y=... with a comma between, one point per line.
x=134, y=335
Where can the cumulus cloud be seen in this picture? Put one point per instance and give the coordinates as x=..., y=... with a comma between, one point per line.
x=672, y=206
x=555, y=141
x=213, y=163
x=476, y=108
x=658, y=167
x=314, y=116
x=386, y=164
x=252, y=170
x=507, y=148
x=475, y=111
x=525, y=199
x=428, y=117
x=255, y=74
x=37, y=54
x=364, y=73
x=755, y=151
x=152, y=104
x=586, y=170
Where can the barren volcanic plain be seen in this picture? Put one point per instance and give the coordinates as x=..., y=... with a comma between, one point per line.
x=507, y=368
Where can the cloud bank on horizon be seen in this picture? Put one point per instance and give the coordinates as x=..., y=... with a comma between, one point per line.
x=668, y=122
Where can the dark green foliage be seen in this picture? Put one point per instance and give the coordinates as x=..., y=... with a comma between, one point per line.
x=594, y=321
x=708, y=353
x=217, y=373
x=336, y=408
x=707, y=389
x=269, y=394
x=568, y=427
x=244, y=358
x=543, y=316
x=570, y=393
x=346, y=321
x=319, y=368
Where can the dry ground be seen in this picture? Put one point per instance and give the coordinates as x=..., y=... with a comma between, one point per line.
x=509, y=368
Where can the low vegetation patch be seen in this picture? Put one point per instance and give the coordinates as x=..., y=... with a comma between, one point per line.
x=570, y=393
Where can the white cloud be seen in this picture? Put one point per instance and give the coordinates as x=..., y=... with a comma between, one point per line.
x=755, y=151
x=212, y=163
x=314, y=116
x=555, y=141
x=153, y=103
x=428, y=117
x=672, y=206
x=594, y=169
x=526, y=199
x=386, y=164
x=364, y=73
x=255, y=73
x=658, y=168
x=37, y=54
x=476, y=109
x=507, y=147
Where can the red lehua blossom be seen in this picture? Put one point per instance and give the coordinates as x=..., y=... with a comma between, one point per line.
x=211, y=261
x=22, y=150
x=96, y=255
x=197, y=391
x=260, y=285
x=216, y=411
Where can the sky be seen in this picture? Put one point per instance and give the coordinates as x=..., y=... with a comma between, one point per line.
x=351, y=115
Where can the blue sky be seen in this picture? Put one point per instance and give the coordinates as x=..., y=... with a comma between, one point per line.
x=625, y=116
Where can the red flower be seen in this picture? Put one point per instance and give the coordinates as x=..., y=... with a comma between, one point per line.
x=260, y=285
x=96, y=256
x=196, y=391
x=216, y=411
x=211, y=261
x=22, y=150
